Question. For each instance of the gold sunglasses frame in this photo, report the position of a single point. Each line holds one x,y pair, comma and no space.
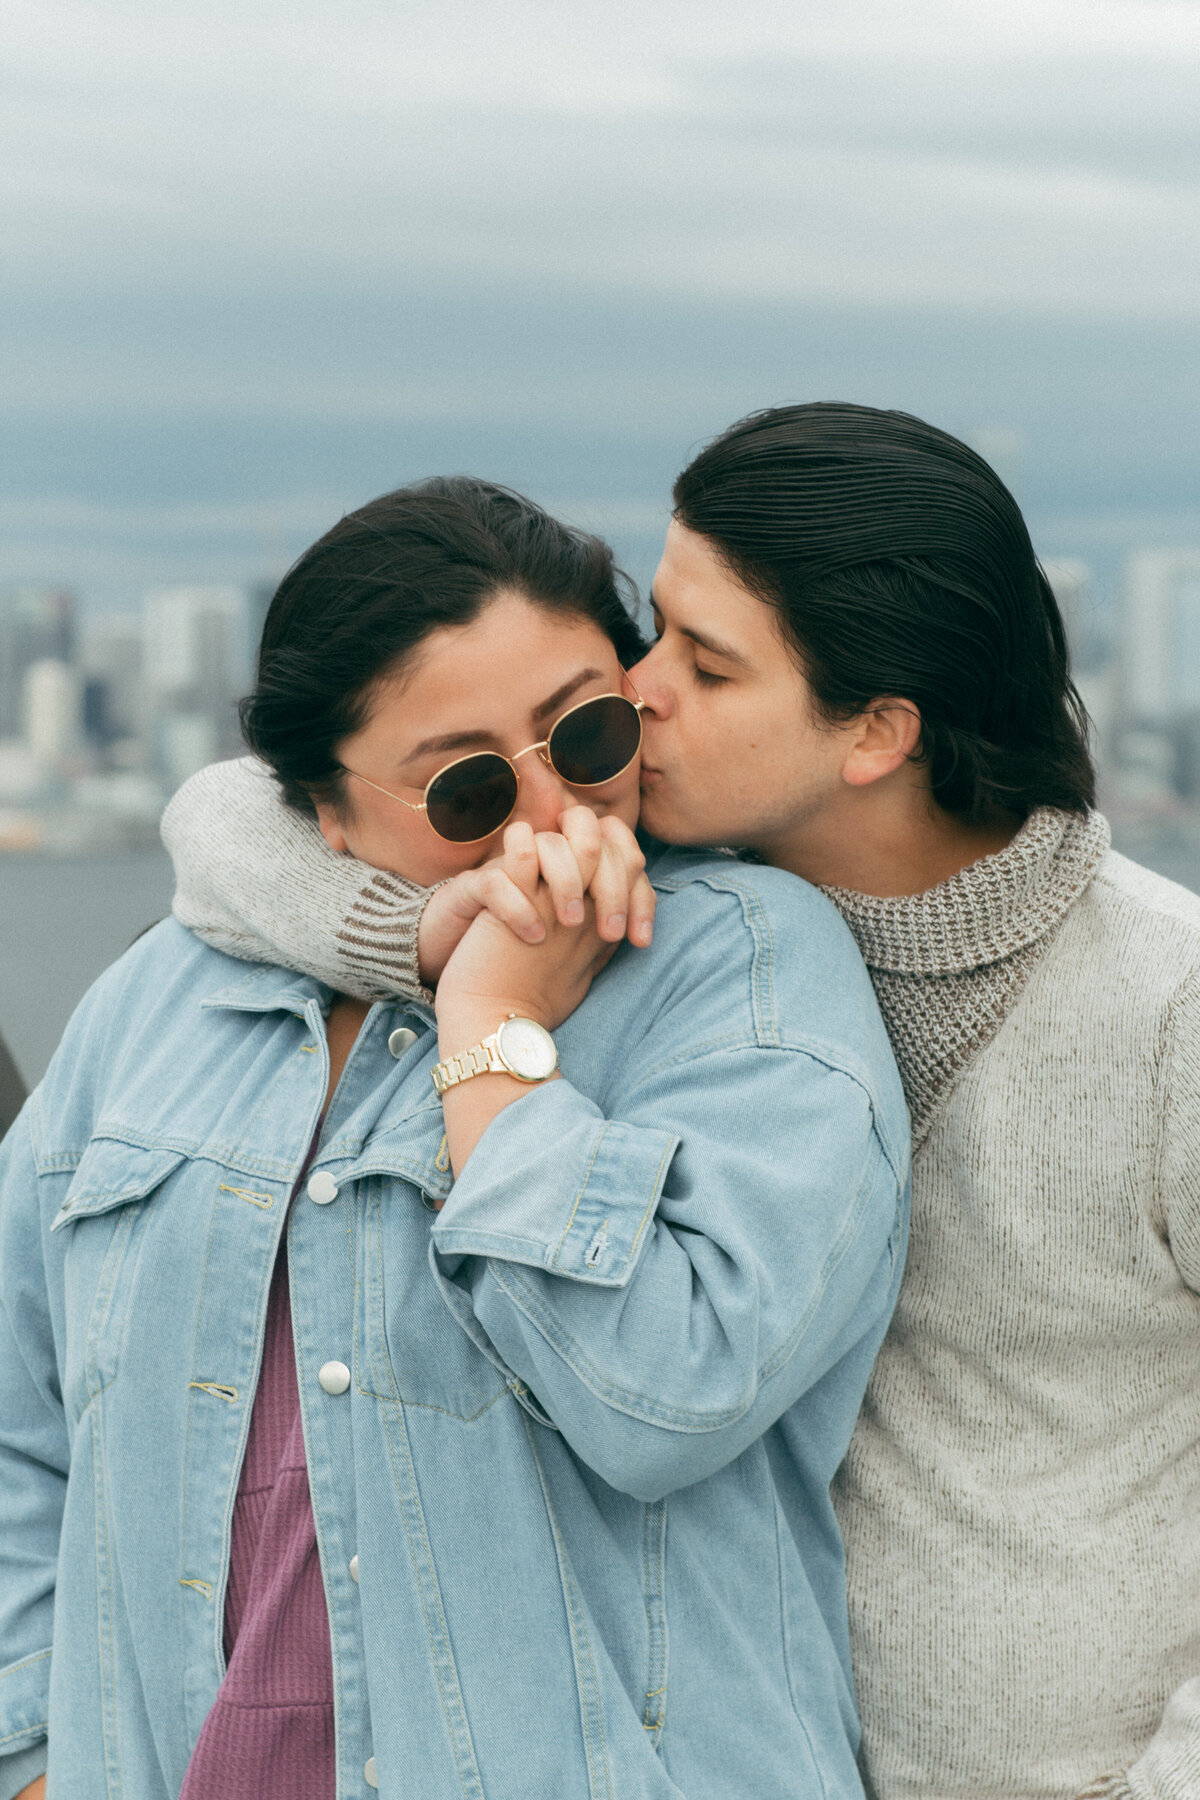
542,747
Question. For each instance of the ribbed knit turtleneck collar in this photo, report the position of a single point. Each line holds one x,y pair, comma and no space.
988,911
950,964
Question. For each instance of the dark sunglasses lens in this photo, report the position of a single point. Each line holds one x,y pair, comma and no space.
472,798
596,741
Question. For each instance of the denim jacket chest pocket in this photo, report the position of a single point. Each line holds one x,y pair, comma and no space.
410,1347
102,1224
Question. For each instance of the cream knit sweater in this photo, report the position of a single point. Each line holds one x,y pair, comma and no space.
1021,1502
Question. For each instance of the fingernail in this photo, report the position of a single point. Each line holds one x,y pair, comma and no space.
535,932
643,931
616,924
574,912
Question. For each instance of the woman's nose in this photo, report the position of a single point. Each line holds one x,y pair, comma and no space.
543,795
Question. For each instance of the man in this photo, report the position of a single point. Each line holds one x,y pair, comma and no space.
860,675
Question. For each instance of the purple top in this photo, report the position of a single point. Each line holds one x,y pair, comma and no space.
271,1726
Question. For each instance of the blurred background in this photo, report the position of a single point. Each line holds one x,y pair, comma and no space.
266,260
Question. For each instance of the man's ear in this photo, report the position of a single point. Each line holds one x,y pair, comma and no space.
887,735
331,827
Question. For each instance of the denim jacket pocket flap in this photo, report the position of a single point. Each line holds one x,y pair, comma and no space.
110,1174
415,1151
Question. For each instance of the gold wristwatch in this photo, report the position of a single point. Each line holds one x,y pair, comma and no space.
519,1047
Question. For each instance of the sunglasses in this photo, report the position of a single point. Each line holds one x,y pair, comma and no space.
474,796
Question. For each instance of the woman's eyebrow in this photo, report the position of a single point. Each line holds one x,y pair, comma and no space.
564,693
479,739
451,740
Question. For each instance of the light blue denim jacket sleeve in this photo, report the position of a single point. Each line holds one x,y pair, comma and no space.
668,1266
34,1458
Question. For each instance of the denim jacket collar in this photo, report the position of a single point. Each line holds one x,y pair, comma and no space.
266,990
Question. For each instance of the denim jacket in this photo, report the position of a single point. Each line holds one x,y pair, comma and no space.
593,1405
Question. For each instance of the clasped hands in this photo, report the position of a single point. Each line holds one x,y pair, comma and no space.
529,931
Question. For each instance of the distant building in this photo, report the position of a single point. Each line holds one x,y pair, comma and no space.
259,597
1157,680
36,624
197,666
1071,581
99,725
111,662
197,644
185,742
53,718
1161,635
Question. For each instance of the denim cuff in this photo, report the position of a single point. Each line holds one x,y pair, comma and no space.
24,1703
554,1184
22,1767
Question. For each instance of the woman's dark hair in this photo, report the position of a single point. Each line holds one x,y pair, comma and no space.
900,565
365,595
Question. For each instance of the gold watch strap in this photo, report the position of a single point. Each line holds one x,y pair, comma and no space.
481,1059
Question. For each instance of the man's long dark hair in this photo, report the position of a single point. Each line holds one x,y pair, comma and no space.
901,565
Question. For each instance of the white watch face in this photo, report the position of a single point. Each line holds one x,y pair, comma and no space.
527,1048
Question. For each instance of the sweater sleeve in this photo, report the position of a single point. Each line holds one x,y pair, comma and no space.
1169,1767
1179,1132
255,879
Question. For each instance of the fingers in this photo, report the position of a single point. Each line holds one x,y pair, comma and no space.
622,894
562,875
520,859
642,902
610,892
568,859
589,858
493,889
581,828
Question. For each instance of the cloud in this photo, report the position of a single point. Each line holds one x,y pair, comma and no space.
1132,117
1039,157
282,254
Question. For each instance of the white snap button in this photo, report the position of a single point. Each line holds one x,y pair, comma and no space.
322,1188
354,1568
401,1040
372,1778
334,1377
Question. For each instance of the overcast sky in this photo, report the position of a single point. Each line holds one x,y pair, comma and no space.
263,259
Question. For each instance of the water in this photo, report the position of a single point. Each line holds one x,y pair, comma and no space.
64,919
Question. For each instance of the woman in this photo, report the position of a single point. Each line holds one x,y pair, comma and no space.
527,1485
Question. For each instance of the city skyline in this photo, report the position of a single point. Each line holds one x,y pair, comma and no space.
103,714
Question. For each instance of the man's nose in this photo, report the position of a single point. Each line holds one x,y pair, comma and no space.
543,795
647,678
